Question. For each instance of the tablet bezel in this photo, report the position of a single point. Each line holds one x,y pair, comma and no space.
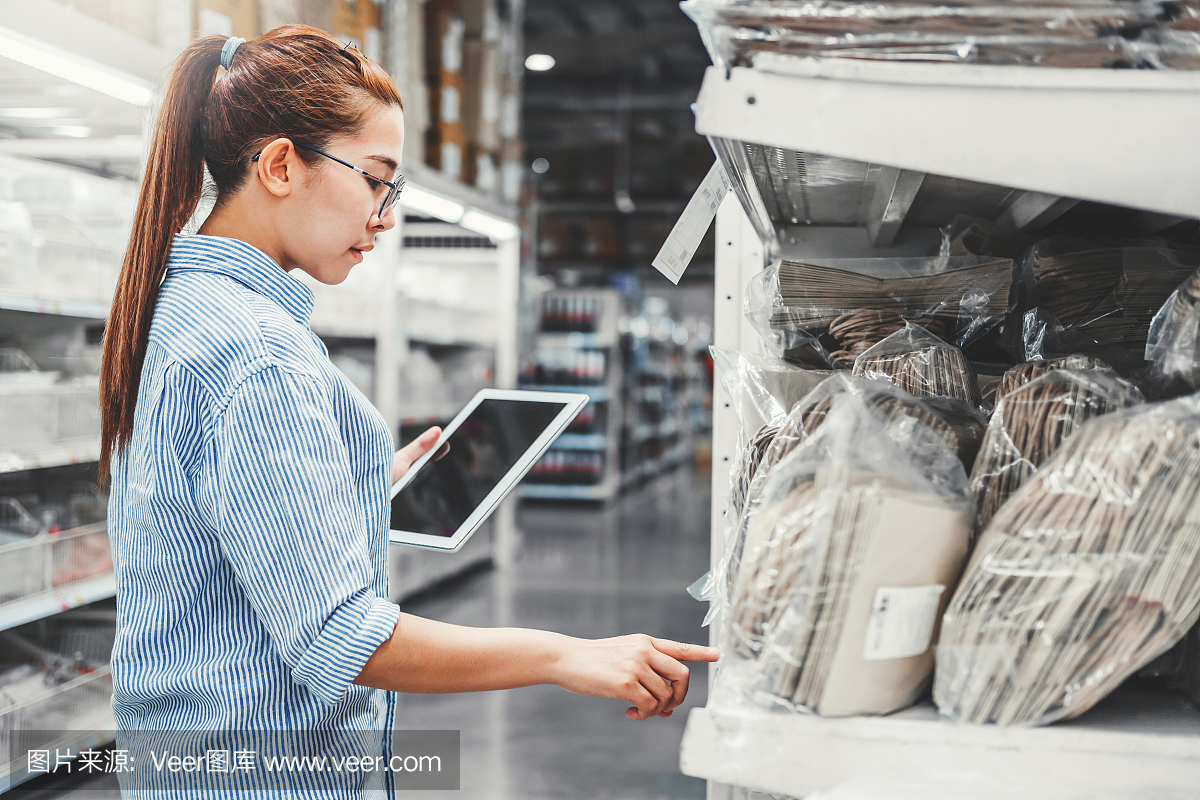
572,405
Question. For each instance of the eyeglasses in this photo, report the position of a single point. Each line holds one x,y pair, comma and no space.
393,193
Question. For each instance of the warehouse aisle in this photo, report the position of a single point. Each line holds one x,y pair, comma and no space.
589,571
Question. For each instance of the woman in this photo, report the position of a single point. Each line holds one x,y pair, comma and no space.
249,478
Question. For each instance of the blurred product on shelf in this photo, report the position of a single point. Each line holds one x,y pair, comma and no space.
566,367
52,537
569,314
646,375
1103,34
569,466
62,231
54,677
1089,571
1031,421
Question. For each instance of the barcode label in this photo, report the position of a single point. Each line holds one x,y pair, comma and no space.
676,253
902,621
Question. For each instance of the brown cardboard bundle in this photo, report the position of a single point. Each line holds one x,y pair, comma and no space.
921,364
1023,373
857,542
1031,421
1089,572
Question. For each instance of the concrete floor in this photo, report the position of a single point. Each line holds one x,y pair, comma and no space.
588,571
584,570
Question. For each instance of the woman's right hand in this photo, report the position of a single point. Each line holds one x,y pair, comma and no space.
638,669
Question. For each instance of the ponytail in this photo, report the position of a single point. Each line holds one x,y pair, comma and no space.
171,185
295,81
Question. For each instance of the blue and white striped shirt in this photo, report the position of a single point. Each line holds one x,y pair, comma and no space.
249,514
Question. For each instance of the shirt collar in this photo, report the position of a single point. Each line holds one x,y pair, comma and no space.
247,265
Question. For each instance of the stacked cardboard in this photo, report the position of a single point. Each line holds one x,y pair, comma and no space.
445,138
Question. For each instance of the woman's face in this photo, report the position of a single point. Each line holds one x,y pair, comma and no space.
334,216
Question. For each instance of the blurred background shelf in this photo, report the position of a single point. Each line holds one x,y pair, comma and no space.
61,598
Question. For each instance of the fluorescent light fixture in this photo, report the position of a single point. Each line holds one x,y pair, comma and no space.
41,112
539,62
71,131
426,202
63,64
488,225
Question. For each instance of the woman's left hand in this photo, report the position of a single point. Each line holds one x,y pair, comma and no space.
418,447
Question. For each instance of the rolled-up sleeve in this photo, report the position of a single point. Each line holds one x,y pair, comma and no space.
294,532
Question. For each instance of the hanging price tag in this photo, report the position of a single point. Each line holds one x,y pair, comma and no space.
677,251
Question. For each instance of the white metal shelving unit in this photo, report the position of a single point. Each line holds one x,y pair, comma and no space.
1042,140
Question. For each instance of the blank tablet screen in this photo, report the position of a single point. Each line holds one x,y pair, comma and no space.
438,500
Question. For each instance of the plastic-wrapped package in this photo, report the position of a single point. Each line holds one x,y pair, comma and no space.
960,425
1090,571
762,390
920,364
860,534
1022,374
1108,292
963,294
1093,34
1032,420
1173,345
854,303
743,473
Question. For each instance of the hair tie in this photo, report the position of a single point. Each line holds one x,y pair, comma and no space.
231,46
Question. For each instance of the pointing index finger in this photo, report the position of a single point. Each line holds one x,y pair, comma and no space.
685,652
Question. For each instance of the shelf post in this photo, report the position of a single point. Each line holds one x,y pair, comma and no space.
387,340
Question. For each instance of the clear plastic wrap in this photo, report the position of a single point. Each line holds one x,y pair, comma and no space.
860,535
1108,292
960,425
1060,33
1032,419
762,391
852,304
1173,344
921,364
1090,571
1022,374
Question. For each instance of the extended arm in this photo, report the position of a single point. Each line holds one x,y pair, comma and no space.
425,656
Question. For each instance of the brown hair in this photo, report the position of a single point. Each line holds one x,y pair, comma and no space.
295,82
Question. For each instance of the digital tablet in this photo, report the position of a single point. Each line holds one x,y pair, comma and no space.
494,442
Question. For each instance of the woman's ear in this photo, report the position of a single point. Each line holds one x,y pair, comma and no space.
278,167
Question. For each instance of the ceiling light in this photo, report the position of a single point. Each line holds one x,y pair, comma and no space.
60,63
425,202
71,131
41,112
488,225
539,62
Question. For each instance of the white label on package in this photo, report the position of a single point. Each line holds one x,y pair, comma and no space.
902,621
677,251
